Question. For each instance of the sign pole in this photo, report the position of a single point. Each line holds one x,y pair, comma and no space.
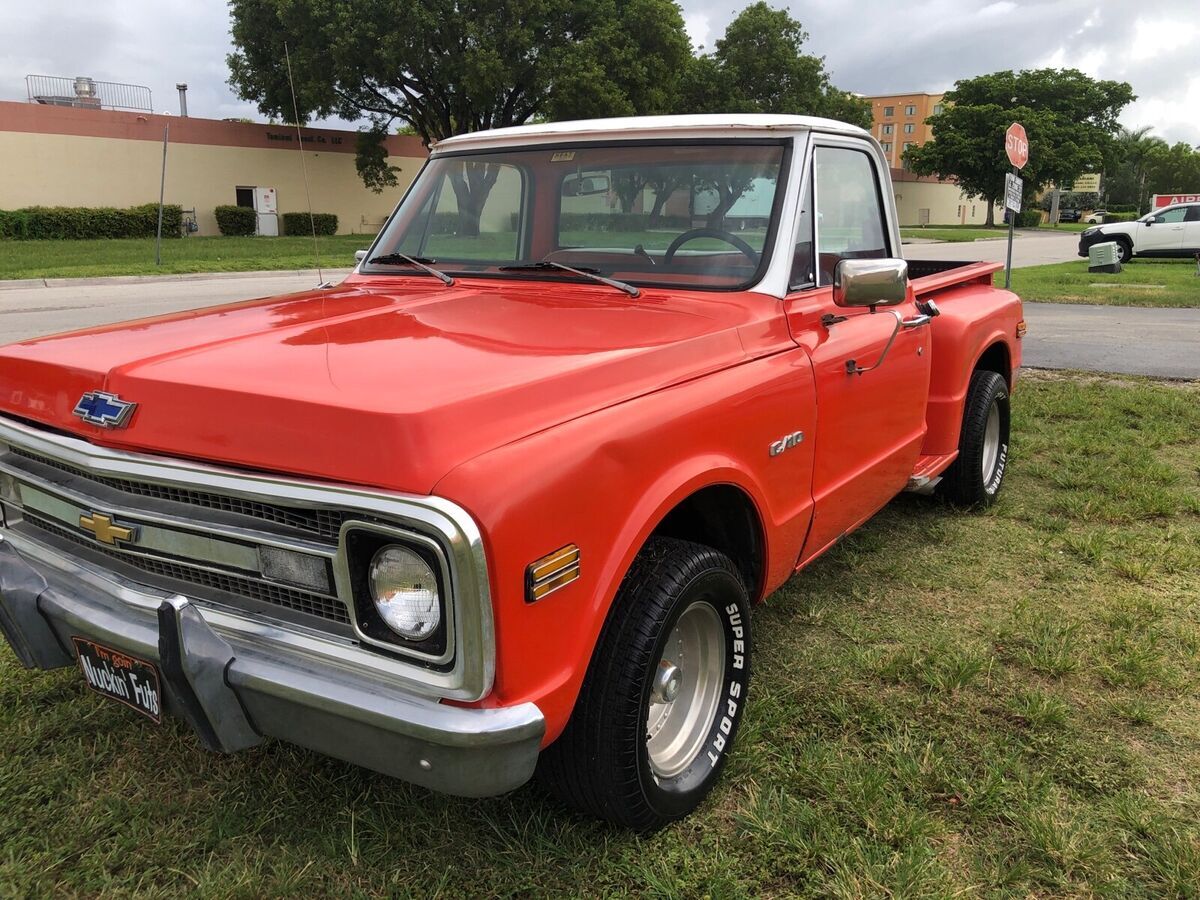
162,186
1012,222
1016,146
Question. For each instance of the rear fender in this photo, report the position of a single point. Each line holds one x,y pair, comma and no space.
973,319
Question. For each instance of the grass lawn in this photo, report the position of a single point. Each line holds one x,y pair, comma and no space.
1142,282
135,256
954,234
949,703
1067,226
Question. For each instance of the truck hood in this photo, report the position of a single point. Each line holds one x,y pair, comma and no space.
390,385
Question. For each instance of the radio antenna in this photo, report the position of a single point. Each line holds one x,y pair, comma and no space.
304,167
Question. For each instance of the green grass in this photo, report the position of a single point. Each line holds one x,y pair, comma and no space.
80,259
997,703
1142,282
1067,226
954,233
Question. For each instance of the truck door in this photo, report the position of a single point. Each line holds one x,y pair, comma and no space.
869,426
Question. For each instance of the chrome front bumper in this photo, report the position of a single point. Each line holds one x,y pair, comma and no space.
234,691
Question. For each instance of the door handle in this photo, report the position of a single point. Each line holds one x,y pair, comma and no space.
917,321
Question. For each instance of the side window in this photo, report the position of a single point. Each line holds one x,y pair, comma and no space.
849,208
1193,214
802,256
1172,216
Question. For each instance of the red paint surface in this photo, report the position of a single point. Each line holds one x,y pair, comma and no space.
554,413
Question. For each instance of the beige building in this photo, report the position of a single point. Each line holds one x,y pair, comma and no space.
921,200
67,156
898,122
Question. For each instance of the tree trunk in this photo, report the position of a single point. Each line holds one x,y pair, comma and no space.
472,185
991,212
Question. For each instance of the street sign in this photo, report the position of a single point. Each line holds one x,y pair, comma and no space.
1013,188
1016,144
1160,200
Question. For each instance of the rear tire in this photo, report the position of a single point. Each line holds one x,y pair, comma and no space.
977,474
664,693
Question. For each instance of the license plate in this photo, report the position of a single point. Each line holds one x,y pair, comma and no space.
121,677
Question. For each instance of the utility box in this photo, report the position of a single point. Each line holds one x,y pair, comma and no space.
1103,258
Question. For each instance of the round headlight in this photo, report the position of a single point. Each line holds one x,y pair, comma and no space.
405,591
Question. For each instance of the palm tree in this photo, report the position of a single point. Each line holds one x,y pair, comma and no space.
1135,148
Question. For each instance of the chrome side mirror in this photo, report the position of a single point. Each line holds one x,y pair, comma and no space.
870,282
359,256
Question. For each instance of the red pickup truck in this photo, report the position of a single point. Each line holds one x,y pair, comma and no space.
505,498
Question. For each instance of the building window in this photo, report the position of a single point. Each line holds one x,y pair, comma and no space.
889,111
909,128
939,108
910,110
908,144
887,146
887,129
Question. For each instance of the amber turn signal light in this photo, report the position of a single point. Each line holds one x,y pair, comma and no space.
546,575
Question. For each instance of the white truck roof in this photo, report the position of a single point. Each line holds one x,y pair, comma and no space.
732,125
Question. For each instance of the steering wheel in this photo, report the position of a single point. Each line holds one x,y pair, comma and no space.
746,250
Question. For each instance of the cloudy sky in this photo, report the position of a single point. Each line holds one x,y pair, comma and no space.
870,46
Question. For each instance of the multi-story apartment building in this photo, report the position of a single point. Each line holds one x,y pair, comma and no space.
898,122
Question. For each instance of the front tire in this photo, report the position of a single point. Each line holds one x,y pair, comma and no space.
664,694
1124,250
977,474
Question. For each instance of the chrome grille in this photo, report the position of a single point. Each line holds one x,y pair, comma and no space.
322,523
277,595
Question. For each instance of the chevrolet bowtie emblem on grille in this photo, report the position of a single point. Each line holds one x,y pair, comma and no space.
104,409
105,530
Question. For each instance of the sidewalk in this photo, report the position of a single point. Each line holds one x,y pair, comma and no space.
330,274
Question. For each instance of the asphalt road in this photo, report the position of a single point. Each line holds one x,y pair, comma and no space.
1032,247
1159,342
1164,343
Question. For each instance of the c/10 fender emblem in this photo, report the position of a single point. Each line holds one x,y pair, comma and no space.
786,443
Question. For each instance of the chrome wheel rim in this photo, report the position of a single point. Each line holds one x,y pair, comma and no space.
685,690
991,442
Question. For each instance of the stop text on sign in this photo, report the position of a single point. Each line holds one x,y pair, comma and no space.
1016,145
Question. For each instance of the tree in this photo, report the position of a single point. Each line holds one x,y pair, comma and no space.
1136,150
760,66
445,67
1070,120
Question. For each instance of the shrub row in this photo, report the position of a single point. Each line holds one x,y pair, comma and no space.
1029,218
1111,216
298,223
80,222
236,221
619,222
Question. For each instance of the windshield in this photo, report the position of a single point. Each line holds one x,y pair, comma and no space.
694,214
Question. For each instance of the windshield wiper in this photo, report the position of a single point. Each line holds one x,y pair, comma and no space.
590,274
401,259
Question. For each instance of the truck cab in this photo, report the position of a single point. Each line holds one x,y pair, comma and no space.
506,497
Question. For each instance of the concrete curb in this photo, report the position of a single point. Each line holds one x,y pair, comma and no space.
17,283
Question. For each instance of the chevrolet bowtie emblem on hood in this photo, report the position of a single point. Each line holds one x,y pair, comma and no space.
104,409
105,529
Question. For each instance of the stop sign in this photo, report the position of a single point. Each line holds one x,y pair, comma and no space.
1016,144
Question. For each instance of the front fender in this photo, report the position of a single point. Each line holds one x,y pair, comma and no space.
604,482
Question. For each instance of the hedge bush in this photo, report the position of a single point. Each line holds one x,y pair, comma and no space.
1111,216
236,220
81,222
1029,218
298,223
